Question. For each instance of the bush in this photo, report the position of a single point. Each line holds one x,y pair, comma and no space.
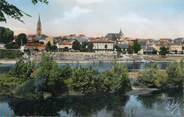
8,83
153,77
176,75
22,69
88,81
10,54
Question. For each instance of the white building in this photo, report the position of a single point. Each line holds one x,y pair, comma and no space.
103,46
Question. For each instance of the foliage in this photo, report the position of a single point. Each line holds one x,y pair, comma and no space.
175,73
76,45
12,45
50,48
88,81
21,39
163,51
22,69
8,83
117,79
10,54
136,47
28,90
86,47
130,50
153,77
49,70
6,35
7,9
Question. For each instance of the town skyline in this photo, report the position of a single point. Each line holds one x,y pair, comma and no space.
97,18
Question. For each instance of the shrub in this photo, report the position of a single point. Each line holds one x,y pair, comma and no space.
175,73
153,77
10,54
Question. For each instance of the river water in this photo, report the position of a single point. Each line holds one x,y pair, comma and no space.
155,104
100,66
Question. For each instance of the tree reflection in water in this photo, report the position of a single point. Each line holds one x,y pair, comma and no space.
73,105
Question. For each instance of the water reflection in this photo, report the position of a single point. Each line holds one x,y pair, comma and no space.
157,104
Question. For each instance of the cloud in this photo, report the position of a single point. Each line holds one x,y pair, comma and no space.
134,18
76,12
86,2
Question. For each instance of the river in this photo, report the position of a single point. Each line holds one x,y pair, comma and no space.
100,66
155,104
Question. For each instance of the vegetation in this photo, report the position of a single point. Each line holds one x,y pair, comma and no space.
86,47
153,77
172,77
10,54
45,77
12,45
136,47
176,74
21,39
12,11
50,48
6,35
76,45
164,51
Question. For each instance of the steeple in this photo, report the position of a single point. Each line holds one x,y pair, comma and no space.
120,32
39,27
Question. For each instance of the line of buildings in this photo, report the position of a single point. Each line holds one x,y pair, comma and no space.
104,44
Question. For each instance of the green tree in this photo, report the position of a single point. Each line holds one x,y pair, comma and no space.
84,47
153,77
136,47
163,51
6,35
21,39
76,45
12,45
90,47
175,73
49,71
22,69
48,46
7,9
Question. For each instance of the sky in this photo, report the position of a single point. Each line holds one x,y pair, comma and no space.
137,18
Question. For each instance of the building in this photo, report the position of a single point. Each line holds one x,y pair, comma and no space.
102,45
115,36
34,45
64,45
39,27
176,48
36,41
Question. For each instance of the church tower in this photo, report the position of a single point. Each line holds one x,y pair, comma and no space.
39,27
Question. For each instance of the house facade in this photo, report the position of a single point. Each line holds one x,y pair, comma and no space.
103,46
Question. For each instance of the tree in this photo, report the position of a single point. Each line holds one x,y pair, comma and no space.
76,45
12,45
136,46
90,47
163,51
153,77
21,39
86,47
175,73
6,35
7,9
49,71
48,46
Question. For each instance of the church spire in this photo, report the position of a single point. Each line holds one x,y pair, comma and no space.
39,27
